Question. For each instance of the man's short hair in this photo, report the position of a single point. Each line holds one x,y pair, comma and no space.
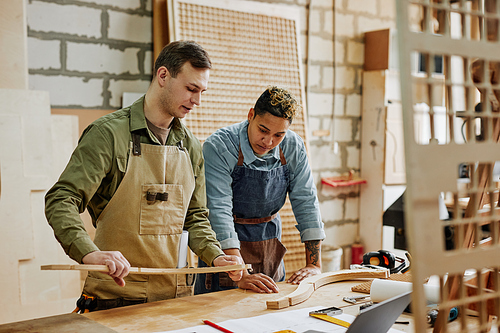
277,101
176,54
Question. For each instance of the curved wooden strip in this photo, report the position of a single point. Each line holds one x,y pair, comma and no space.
307,287
152,271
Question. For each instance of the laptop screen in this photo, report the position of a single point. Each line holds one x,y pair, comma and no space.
380,317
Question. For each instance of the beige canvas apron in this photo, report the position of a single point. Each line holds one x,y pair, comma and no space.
144,221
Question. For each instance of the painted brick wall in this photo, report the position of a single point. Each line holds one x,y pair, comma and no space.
86,53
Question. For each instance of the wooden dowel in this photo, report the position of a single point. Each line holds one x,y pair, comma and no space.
141,270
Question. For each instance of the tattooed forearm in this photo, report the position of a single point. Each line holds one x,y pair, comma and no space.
313,252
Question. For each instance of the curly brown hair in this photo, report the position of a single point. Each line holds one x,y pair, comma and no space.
277,101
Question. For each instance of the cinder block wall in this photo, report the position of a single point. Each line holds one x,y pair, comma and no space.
86,53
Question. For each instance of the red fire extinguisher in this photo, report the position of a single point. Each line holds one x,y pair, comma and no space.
357,253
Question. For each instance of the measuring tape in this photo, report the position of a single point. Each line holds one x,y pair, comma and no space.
330,319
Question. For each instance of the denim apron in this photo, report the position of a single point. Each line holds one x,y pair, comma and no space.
258,195
144,221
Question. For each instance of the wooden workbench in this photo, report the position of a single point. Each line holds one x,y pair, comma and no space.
189,311
217,307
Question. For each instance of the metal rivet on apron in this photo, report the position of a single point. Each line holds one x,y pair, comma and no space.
151,197
162,196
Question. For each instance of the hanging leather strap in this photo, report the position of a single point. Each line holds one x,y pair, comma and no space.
254,221
136,144
241,158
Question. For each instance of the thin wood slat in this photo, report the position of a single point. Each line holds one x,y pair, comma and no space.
150,271
307,287
366,286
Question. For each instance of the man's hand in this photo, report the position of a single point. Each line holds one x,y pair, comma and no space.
230,260
117,264
259,283
303,273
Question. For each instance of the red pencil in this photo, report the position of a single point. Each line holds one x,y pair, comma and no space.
222,329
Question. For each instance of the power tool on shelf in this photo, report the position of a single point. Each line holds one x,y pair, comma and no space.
386,259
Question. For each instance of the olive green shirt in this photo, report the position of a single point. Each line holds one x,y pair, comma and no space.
97,168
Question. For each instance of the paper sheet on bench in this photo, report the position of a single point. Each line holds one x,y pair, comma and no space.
295,320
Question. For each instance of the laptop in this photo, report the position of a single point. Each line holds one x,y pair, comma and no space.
380,317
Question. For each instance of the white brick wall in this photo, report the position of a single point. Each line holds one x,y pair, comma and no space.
344,25
351,208
148,63
65,19
117,87
314,76
339,53
353,156
327,125
313,124
44,54
369,24
99,58
343,129
342,234
363,6
355,53
327,78
89,43
315,21
320,49
322,3
328,22
353,105
388,9
332,210
322,157
123,4
339,104
67,91
344,77
128,27
319,104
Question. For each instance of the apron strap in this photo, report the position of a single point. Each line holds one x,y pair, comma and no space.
136,144
254,221
282,157
240,157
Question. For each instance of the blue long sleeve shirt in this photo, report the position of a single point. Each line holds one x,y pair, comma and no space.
220,151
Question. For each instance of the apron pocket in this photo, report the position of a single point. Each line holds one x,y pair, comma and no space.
265,256
162,209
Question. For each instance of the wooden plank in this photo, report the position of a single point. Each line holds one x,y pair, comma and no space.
307,287
151,271
66,323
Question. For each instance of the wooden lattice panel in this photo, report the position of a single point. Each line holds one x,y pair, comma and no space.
252,46
450,62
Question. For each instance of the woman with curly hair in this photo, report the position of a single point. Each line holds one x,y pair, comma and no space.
250,168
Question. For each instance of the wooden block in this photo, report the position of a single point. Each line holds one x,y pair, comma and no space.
307,287
380,50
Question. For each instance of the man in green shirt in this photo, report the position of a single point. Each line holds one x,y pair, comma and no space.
140,173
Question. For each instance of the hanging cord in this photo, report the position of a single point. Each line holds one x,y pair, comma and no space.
334,144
